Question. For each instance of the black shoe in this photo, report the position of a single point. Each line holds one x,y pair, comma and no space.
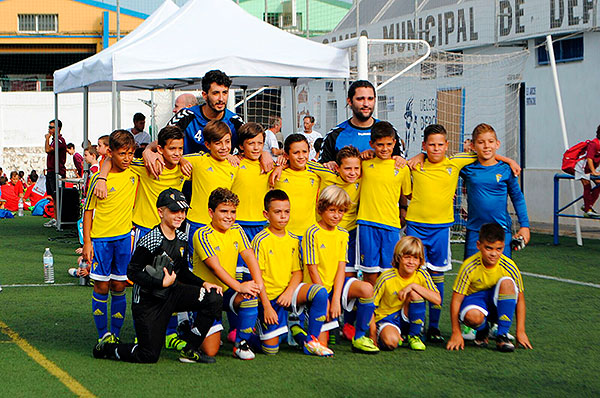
193,356
481,337
184,328
503,344
434,335
104,348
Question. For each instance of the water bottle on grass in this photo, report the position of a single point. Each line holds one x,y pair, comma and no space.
48,266
20,207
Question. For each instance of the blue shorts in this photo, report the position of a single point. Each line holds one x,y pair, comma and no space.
191,229
436,240
484,301
352,264
471,238
397,320
242,273
111,258
267,332
376,247
138,233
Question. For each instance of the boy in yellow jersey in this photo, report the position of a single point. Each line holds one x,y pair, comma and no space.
209,171
383,183
217,246
430,214
325,251
278,254
107,236
301,185
488,288
400,294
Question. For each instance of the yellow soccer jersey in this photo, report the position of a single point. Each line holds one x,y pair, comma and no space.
302,187
278,257
209,242
144,211
434,186
251,186
353,189
112,216
208,174
474,277
325,249
390,283
382,184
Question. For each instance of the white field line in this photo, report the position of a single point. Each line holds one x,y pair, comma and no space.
40,285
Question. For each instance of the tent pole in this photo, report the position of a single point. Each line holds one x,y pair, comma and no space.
245,104
119,125
86,91
293,84
152,116
57,207
114,105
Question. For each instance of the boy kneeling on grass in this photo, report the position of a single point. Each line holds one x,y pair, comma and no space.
488,288
163,284
400,294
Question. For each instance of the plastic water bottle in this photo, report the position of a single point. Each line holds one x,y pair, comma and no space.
20,207
82,267
48,266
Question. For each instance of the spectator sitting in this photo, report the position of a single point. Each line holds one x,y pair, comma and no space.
77,159
16,183
9,195
34,193
22,176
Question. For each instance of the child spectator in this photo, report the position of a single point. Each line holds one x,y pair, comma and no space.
325,249
77,159
379,215
32,193
488,288
10,198
400,295
278,254
107,236
584,169
90,155
102,149
217,246
16,184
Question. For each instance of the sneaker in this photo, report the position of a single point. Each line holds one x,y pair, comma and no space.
468,333
415,343
348,331
72,272
297,333
314,347
333,333
503,344
364,345
591,213
101,349
481,337
173,342
434,335
232,335
494,332
114,339
193,356
242,350
50,224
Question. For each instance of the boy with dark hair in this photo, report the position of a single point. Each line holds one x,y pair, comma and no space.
141,137
216,249
107,236
163,283
77,159
278,254
379,214
488,288
102,149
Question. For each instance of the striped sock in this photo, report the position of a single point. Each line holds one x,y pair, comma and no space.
247,315
416,316
99,309
118,306
435,311
506,309
364,313
317,297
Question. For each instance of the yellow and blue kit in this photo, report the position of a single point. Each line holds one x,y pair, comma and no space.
302,188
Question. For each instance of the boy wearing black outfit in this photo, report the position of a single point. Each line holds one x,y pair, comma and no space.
163,284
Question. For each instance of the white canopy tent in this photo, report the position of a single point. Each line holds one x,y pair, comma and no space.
176,49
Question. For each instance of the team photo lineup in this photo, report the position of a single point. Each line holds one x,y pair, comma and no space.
291,244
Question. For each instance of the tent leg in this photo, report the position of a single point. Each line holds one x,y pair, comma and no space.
114,106
86,122
58,194
293,84
152,116
245,104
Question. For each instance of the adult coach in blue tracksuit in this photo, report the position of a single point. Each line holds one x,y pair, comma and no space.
355,131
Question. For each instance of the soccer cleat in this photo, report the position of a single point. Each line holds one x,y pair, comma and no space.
101,348
113,339
364,345
333,333
591,213
314,347
494,332
481,337
232,335
468,333
243,351
348,331
503,344
434,335
415,343
50,224
193,356
173,342
297,333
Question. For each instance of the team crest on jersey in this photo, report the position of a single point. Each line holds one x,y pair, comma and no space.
312,182
181,251
498,177
356,185
132,179
181,179
231,175
449,170
235,244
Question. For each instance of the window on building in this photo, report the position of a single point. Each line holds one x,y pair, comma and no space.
330,114
38,23
454,64
565,50
329,86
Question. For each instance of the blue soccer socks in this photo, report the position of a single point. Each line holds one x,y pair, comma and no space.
416,317
317,312
118,306
435,311
364,313
247,314
99,309
506,309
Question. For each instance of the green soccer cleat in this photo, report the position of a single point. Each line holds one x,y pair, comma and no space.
364,345
173,342
468,334
415,343
193,356
298,333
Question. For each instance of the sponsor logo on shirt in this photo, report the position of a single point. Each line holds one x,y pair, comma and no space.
498,177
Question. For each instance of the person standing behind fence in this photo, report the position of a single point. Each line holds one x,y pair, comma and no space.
186,100
584,169
311,135
50,148
271,141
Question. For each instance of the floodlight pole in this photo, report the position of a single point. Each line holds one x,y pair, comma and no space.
563,125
